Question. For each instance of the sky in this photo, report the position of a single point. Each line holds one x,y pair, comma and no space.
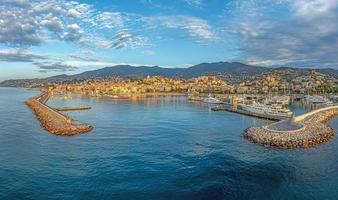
41,38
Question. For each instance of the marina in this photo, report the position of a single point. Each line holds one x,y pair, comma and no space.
264,115
272,108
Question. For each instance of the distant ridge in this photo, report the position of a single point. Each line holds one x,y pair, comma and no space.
219,68
231,71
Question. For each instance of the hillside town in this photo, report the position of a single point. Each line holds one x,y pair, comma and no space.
120,87
286,81
277,82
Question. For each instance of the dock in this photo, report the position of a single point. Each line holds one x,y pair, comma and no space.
229,108
303,131
54,121
73,108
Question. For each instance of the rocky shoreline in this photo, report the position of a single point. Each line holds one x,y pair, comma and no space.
313,131
55,122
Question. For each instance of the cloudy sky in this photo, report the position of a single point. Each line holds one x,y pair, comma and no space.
44,38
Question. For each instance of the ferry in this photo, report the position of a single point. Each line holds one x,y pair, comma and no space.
212,100
265,111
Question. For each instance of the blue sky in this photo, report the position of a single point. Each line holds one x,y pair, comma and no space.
44,38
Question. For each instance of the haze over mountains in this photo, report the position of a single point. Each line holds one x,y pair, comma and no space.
231,72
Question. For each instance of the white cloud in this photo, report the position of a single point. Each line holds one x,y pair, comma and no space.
148,52
19,27
88,56
198,27
307,33
54,66
195,27
195,3
109,20
20,55
31,23
74,33
314,8
53,23
15,2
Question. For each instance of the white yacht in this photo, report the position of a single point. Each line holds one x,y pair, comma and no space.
313,99
283,100
265,111
334,97
212,100
318,100
328,103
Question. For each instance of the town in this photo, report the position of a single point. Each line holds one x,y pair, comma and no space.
279,82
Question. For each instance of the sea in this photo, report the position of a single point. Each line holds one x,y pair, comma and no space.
154,148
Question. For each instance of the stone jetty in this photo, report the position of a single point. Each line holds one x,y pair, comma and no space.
301,132
54,121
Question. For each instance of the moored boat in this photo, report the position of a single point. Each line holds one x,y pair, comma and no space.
212,100
318,100
265,111
314,99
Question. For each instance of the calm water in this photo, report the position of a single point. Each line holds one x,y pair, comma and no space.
154,149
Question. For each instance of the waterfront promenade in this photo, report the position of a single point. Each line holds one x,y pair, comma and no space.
303,131
54,121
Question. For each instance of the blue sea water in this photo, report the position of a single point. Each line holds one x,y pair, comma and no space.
158,148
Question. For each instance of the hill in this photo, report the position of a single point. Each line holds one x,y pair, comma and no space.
232,72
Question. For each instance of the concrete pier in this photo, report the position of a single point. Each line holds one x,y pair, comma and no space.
303,131
73,108
230,108
53,121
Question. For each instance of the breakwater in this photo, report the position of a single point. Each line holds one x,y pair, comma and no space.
303,131
54,121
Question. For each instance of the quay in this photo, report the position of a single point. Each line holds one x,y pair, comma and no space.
73,108
303,131
52,120
234,109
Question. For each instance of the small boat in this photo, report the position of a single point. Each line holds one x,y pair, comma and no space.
212,100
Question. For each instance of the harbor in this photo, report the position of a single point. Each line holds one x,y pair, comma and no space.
263,106
54,121
153,137
290,131
263,115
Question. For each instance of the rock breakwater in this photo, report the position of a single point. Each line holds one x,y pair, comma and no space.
312,131
55,122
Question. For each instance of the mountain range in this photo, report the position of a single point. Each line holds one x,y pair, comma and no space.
230,71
